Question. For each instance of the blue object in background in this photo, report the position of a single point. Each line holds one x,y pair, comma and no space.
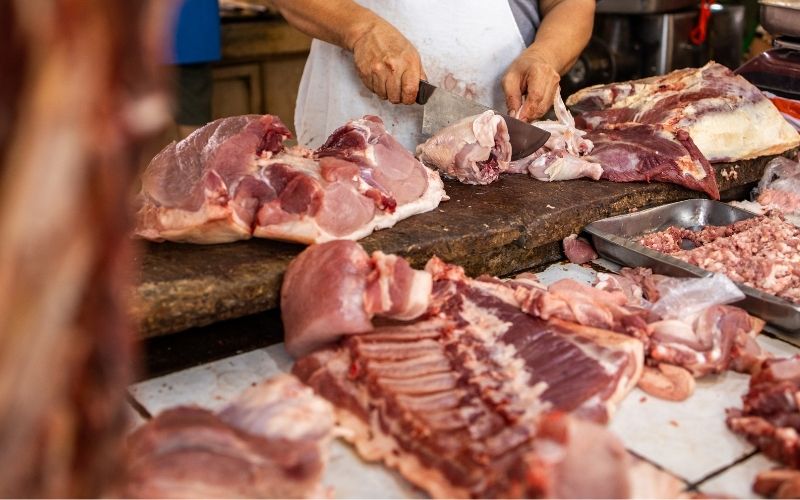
197,30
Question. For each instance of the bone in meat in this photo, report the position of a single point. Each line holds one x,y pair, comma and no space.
234,179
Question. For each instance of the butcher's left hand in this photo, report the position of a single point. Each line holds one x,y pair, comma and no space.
532,75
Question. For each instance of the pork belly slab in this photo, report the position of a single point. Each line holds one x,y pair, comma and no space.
725,115
460,417
472,398
270,443
234,179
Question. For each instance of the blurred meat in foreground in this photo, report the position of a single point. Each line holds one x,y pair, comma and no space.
79,93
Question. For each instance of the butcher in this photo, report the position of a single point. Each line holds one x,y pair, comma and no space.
368,56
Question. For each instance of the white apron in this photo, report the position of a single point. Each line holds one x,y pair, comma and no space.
465,45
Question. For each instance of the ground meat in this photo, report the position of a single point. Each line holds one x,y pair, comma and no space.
761,252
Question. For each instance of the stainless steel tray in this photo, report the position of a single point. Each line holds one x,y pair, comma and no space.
781,17
615,238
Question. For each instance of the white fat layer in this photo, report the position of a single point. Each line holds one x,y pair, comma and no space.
419,296
385,264
748,131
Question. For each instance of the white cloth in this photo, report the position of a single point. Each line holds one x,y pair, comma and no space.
465,45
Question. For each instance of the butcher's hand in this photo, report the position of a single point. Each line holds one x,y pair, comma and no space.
387,63
530,84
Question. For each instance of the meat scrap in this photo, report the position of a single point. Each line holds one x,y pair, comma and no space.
234,178
770,419
690,331
476,150
563,157
578,250
778,483
761,252
726,116
270,443
779,188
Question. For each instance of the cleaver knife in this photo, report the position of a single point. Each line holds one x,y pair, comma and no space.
442,108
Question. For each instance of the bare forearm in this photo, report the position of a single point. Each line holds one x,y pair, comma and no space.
564,32
340,22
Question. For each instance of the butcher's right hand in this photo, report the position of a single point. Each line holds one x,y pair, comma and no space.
387,63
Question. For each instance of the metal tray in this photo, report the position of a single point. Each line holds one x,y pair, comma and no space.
781,17
615,239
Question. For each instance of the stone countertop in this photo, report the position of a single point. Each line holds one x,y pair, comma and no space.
511,225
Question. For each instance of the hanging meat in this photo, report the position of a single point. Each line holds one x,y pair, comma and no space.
79,94
234,178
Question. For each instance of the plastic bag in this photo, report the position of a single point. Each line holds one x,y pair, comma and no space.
682,297
779,188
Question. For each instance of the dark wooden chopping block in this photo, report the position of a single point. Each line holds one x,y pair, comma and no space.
511,225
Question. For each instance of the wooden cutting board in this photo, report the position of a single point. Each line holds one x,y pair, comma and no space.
511,225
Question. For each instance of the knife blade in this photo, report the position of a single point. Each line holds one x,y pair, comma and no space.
442,109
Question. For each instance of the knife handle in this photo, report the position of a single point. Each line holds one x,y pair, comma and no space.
425,92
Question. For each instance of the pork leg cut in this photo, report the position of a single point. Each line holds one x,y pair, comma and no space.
234,179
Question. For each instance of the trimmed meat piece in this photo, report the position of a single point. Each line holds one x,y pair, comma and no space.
578,250
336,288
476,150
562,157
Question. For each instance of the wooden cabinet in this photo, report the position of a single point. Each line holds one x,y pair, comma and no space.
262,62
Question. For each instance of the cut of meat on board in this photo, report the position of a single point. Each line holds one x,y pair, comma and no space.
336,288
233,179
726,116
270,443
562,157
632,152
770,416
476,150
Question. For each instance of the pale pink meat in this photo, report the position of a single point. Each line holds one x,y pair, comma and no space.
234,179
336,288
475,150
